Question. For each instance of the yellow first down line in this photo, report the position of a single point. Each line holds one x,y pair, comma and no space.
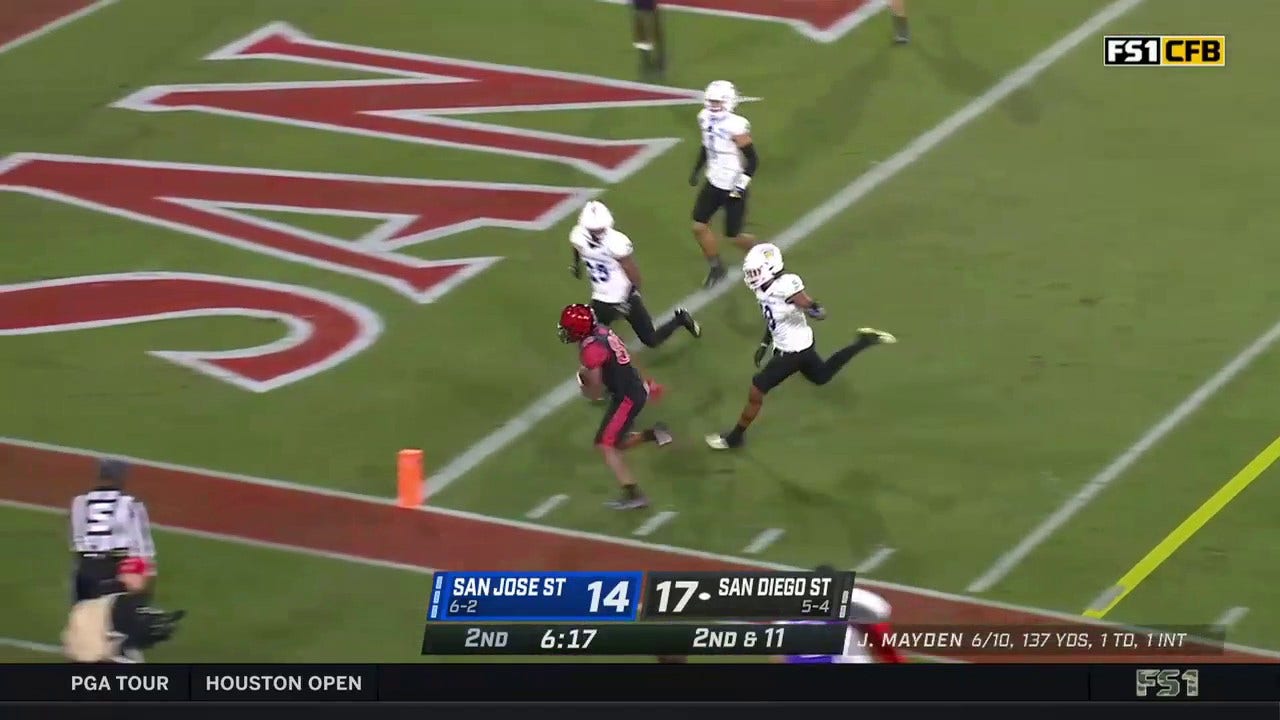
1183,532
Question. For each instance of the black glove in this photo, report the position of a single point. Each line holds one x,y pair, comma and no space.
693,179
761,352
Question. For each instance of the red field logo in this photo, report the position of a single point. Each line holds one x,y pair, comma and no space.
424,102
820,20
208,200
323,329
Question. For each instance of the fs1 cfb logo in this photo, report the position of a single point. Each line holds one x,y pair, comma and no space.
1165,50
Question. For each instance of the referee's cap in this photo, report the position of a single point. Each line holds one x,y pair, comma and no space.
112,470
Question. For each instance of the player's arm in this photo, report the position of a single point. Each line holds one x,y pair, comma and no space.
575,265
629,266
810,306
763,347
697,165
593,359
752,161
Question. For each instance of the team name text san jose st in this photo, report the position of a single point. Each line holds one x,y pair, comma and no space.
508,587
774,586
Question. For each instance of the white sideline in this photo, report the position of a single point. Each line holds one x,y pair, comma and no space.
53,25
803,228
548,529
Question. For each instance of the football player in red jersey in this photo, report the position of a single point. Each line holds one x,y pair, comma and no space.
607,368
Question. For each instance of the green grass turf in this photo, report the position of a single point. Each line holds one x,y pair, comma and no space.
1061,274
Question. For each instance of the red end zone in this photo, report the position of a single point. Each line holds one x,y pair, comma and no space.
284,514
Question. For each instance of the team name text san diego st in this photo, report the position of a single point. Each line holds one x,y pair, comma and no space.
774,586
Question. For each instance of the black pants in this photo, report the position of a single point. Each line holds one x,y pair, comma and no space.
639,319
807,362
94,576
711,199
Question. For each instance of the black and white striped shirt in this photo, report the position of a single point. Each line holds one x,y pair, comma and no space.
107,521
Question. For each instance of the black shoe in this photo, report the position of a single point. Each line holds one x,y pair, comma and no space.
636,503
715,275
686,319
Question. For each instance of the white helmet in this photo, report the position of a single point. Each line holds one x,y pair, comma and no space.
595,217
762,264
720,96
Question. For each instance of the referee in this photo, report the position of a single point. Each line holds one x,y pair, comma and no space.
109,531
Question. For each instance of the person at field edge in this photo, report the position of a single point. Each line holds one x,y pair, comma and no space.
865,638
108,526
116,627
647,37
901,30
606,367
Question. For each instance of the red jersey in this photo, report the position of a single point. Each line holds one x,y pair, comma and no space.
603,349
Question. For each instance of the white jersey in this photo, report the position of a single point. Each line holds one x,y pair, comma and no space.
609,282
724,158
787,323
109,521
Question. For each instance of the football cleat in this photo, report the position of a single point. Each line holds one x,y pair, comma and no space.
879,336
716,441
638,503
662,434
686,319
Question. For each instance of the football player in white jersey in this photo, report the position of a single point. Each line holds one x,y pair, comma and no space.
615,277
729,156
787,309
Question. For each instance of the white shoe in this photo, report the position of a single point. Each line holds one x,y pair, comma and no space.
881,336
716,441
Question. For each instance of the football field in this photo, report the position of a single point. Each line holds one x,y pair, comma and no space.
259,246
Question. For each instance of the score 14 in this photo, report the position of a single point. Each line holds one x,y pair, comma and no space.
616,599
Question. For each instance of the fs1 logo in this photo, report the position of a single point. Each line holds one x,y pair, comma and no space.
1169,683
1165,50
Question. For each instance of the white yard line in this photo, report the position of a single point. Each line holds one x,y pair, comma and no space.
1231,617
32,646
763,540
652,524
802,229
874,560
545,507
1152,437
53,25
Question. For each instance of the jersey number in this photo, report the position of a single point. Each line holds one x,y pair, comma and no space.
768,316
619,350
709,138
99,517
599,272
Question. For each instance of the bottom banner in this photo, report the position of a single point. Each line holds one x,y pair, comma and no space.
610,682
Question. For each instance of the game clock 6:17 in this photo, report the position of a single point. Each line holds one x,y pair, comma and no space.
568,638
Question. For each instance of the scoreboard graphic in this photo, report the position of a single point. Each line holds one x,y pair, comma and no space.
637,613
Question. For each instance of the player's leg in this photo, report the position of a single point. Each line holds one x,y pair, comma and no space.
606,313
643,25
611,438
777,370
642,322
710,199
659,42
735,217
819,371
901,30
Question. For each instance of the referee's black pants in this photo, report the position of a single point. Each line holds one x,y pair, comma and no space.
94,576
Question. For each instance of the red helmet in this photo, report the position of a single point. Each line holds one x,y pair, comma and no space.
576,322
